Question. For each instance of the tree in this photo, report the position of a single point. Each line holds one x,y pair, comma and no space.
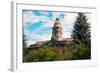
25,50
81,32
24,41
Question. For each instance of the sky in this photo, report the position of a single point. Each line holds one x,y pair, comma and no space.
38,24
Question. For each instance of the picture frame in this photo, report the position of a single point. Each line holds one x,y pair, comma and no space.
16,48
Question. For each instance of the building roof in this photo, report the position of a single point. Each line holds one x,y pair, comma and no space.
39,44
67,39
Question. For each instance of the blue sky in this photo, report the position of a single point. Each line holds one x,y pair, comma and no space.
38,24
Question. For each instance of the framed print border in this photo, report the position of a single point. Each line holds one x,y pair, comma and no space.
16,47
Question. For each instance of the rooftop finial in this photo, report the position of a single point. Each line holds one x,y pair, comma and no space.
57,18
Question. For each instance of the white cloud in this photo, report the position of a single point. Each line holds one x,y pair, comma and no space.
66,35
49,23
68,21
29,17
69,18
37,38
56,14
33,37
88,17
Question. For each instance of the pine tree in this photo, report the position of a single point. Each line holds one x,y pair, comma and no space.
81,32
25,50
24,41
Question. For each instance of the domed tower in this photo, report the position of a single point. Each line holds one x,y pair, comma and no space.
57,30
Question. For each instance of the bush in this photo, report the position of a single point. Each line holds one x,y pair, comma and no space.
32,54
45,53
48,53
80,51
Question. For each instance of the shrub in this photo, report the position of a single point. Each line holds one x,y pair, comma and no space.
32,54
80,51
48,53
45,53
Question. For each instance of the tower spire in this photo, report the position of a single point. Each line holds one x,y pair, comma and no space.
57,30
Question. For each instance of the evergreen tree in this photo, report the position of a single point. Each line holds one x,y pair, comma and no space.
24,41
81,32
25,50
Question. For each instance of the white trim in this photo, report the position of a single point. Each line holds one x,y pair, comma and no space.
13,37
58,3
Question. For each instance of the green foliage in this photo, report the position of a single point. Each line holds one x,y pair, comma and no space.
81,32
80,51
43,54
48,53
